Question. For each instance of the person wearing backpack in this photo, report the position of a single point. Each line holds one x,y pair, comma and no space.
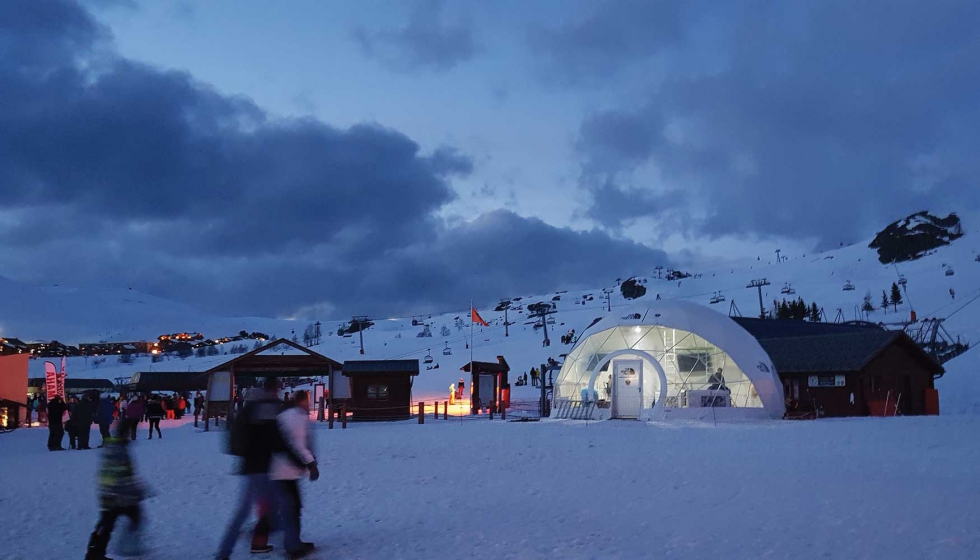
254,437
121,493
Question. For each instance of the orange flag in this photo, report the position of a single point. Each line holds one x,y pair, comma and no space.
476,317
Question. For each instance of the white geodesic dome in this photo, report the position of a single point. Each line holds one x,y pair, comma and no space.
676,359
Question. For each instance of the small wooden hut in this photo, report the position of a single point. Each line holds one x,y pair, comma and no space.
487,381
381,389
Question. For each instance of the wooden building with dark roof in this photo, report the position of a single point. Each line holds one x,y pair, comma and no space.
278,358
487,382
381,389
168,381
73,385
837,370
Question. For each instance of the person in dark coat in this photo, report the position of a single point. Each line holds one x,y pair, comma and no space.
84,415
56,429
71,426
154,411
104,416
254,437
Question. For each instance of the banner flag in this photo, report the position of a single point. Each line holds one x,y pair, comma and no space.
50,379
475,317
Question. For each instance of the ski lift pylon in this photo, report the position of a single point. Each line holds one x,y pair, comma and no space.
848,287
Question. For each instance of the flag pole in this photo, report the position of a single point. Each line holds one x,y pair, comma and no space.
472,342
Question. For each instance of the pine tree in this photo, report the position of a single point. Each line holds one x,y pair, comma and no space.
814,313
884,301
896,296
867,306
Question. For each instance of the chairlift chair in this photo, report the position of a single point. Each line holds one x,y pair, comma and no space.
787,289
848,287
721,297
428,357
447,351
714,298
901,280
551,320
949,272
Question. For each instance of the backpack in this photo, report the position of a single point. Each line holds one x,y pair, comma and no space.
238,434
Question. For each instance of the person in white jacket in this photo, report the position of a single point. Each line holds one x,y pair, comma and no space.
295,461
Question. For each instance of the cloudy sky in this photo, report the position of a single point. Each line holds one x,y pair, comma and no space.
320,158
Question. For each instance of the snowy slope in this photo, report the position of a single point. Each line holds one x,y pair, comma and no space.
815,277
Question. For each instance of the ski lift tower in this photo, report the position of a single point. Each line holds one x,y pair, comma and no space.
779,259
759,284
360,321
542,310
608,292
505,303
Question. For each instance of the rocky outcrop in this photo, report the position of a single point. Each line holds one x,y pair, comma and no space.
915,236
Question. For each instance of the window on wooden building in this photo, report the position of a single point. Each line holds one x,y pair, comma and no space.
377,392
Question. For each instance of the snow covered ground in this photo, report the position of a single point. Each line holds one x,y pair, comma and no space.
900,488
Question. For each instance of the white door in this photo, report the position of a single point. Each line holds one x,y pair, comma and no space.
627,388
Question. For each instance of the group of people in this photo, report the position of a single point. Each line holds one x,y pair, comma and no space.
84,411
274,441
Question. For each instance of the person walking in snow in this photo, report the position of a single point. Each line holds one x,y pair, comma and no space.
154,411
120,492
84,415
104,416
134,413
452,393
254,436
296,461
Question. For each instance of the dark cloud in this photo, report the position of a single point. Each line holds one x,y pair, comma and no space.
824,119
425,42
612,35
118,173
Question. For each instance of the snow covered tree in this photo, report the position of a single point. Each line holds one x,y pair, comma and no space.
445,332
884,301
867,306
201,352
896,296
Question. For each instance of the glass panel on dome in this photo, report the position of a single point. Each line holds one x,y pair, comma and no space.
633,335
614,342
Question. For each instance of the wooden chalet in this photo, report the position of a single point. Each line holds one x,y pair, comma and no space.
381,389
834,370
279,358
487,383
